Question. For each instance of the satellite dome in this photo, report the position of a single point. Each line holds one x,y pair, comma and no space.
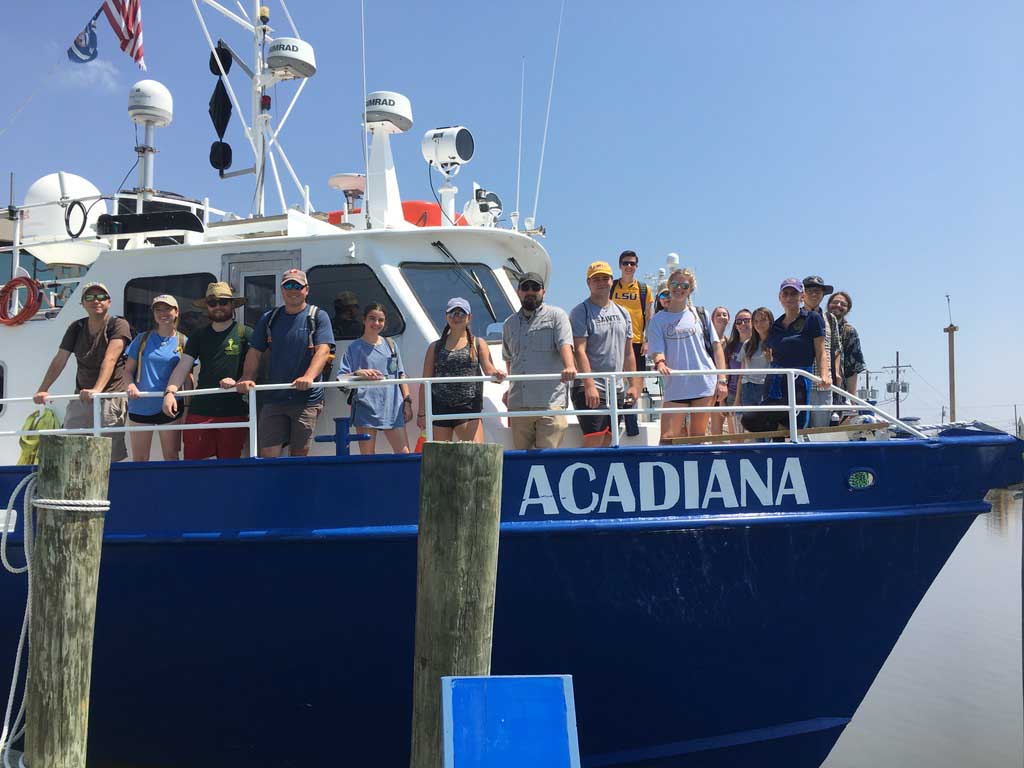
150,102
389,111
46,223
290,57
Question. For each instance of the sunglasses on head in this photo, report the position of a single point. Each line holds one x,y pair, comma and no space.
676,284
629,263
664,295
529,286
293,285
96,297
217,302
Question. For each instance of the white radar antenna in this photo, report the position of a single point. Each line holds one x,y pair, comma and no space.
274,59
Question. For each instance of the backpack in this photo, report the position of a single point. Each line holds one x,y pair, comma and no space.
643,303
142,351
81,322
702,315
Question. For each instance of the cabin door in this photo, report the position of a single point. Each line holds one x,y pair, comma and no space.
257,276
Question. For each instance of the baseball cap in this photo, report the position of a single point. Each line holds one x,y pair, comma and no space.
791,282
95,284
599,268
458,303
164,298
294,274
527,277
816,281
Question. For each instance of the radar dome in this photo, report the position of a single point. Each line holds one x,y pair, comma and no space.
150,102
46,223
388,111
290,57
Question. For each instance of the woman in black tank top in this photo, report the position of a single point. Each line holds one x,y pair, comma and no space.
457,353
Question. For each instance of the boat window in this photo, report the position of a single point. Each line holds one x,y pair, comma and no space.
140,292
434,284
343,291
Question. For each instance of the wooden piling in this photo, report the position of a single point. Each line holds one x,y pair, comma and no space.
457,568
65,573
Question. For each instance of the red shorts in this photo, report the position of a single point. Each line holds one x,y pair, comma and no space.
219,443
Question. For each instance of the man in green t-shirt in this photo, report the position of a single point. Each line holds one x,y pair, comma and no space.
220,349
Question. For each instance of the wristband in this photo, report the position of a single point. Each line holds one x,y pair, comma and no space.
169,391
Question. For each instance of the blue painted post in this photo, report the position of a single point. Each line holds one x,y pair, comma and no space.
341,437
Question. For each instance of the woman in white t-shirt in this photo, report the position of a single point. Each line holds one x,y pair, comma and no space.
676,341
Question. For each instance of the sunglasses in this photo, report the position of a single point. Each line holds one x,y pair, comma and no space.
684,284
664,295
96,297
529,286
292,285
217,302
628,264
743,321
456,312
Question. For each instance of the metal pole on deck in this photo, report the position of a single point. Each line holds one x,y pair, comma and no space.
456,575
950,329
66,566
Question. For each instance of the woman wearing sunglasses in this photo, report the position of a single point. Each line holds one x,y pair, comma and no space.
676,342
661,300
457,353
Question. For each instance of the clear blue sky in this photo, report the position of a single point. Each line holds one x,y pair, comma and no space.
875,143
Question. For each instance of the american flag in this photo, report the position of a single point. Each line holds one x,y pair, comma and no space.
125,16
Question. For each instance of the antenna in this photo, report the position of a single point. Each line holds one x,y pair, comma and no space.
519,156
949,309
366,147
547,118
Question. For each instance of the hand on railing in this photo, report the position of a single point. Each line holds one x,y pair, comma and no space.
568,373
826,381
133,391
85,395
369,373
245,386
40,397
303,383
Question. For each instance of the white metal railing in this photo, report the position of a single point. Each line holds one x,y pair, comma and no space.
613,410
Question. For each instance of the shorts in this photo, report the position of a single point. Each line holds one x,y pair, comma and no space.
594,425
691,401
475,406
155,419
529,432
291,423
217,443
113,413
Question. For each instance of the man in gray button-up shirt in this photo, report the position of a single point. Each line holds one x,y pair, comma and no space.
537,339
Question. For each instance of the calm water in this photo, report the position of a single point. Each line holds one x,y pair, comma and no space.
950,692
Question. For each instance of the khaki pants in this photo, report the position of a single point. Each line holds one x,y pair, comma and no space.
113,413
530,432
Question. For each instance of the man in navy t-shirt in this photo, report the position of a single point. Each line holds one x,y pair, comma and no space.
298,343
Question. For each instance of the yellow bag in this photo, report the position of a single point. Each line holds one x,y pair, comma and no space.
41,419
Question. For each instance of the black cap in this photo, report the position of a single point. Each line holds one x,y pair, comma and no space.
526,277
817,281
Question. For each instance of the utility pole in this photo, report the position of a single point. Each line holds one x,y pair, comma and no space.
898,387
951,329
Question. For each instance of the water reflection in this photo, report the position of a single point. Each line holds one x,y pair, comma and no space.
950,694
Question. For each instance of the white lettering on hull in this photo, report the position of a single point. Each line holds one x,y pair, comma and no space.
581,491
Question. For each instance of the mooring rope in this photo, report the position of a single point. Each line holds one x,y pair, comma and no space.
14,731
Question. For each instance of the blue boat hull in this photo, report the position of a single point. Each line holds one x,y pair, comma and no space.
262,613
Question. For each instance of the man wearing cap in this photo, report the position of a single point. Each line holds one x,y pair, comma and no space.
98,342
220,349
347,324
815,289
634,297
602,334
537,339
299,340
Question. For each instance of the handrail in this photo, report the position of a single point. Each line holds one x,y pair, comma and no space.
613,410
